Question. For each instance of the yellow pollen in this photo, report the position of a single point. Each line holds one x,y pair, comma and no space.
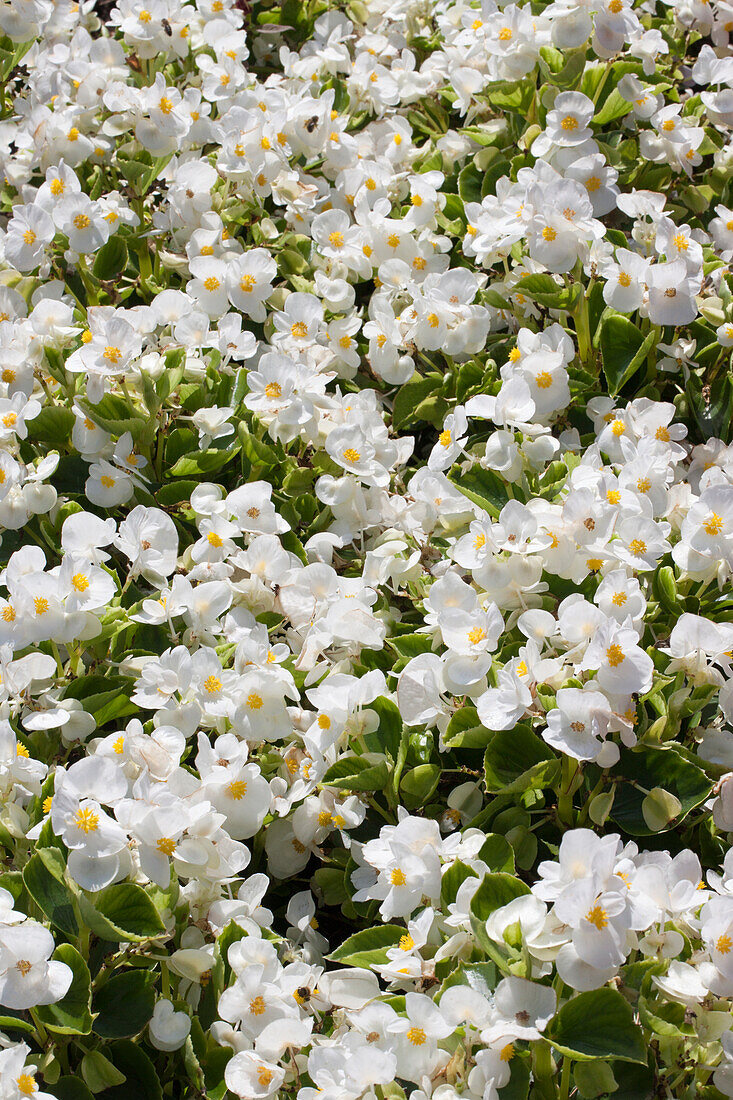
80,582
643,485
237,789
212,684
264,1076
506,34
257,1006
144,16
597,916
107,481
86,820
57,187
47,803
668,126
476,635
613,496
544,380
592,184
618,427
26,1084
507,1052
723,944
24,966
165,105
212,283
9,613
680,242
166,845
73,134
548,233
445,438
713,525
41,605
351,455
214,540
637,547
624,278
569,123
10,420
21,750
406,943
247,283
119,745
345,342
397,878
515,355
479,542
416,1036
615,655
254,701
324,819
619,599
112,354
393,240
522,669
416,200
299,330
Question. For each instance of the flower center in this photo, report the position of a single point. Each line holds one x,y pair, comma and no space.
597,916
86,820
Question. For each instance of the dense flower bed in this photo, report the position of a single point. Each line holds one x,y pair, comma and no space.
366,496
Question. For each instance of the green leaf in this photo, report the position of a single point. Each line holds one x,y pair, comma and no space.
496,890
598,1024
69,1088
386,738
544,290
44,880
497,853
122,912
614,106
124,1004
418,784
516,760
357,773
204,462
111,260
623,350
71,1015
453,879
469,183
594,1079
465,731
479,976
141,1080
672,769
15,1023
368,947
114,415
53,425
99,1073
409,397
411,645
518,1086
483,487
